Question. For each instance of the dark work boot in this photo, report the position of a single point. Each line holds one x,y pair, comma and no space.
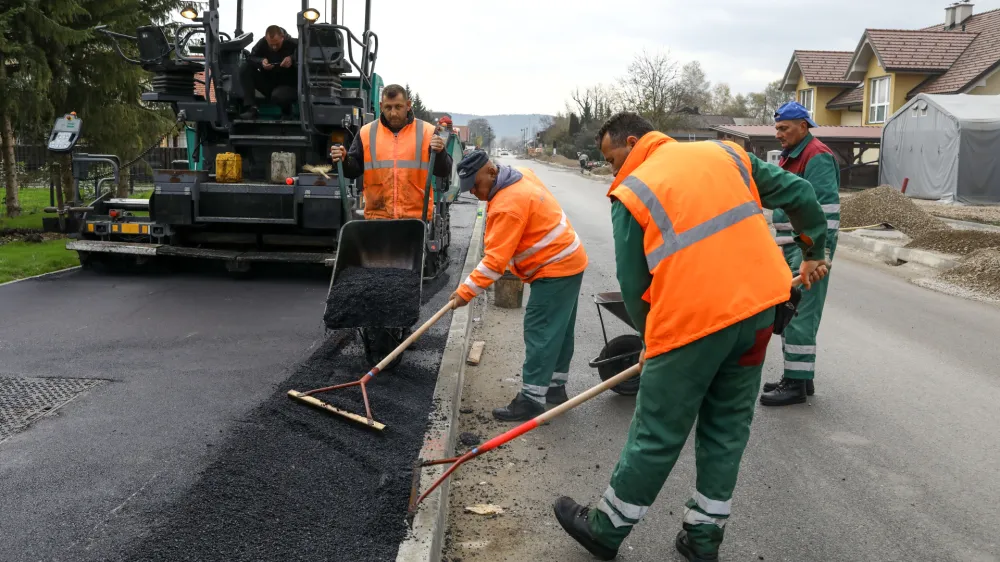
521,408
770,386
573,518
250,114
688,551
788,392
556,395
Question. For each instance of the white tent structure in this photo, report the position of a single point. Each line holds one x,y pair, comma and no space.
947,146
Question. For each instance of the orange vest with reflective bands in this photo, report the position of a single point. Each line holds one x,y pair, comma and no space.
707,242
527,232
395,170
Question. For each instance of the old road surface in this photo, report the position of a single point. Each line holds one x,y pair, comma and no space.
894,459
184,446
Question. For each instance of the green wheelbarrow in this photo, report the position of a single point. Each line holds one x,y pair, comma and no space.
621,352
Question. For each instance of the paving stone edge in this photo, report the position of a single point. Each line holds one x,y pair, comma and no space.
898,254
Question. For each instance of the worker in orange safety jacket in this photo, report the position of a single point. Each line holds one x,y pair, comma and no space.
527,231
393,156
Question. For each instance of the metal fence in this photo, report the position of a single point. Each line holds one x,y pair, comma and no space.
33,165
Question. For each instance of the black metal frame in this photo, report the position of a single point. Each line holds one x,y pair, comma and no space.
597,361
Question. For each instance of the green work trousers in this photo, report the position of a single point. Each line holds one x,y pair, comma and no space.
549,329
798,341
715,380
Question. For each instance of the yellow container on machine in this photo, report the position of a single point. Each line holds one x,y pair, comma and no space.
228,167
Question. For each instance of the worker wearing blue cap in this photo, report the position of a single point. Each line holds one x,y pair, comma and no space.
804,155
528,233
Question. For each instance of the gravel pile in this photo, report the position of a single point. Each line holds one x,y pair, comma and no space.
886,204
987,214
960,242
369,297
980,272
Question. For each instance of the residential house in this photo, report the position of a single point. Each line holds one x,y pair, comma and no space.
890,66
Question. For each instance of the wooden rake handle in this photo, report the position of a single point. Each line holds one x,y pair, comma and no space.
413,337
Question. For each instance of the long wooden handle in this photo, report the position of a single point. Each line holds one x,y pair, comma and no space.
413,337
589,393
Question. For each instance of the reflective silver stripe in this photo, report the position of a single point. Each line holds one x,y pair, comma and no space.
714,507
535,392
569,250
833,225
372,140
736,158
783,226
695,517
616,519
545,241
799,366
402,164
800,349
784,240
476,289
831,208
492,275
673,242
628,510
559,379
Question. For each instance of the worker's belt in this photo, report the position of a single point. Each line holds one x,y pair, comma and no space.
784,312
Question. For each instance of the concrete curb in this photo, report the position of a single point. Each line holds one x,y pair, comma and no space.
897,254
49,274
426,539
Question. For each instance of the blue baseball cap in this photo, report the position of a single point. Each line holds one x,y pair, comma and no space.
469,167
791,111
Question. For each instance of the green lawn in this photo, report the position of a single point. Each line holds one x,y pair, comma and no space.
33,200
21,259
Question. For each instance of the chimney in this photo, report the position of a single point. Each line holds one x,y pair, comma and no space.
949,16
963,11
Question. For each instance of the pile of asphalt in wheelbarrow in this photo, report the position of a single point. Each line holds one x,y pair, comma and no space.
296,483
363,297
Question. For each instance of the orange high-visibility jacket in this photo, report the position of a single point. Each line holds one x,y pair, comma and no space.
707,242
527,232
395,170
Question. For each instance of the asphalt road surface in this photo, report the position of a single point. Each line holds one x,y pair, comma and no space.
184,359
893,459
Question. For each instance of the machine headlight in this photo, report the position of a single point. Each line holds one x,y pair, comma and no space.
189,12
312,14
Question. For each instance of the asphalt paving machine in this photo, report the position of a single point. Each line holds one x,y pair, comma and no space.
260,213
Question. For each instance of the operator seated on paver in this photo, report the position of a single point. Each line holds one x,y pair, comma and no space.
271,70
804,155
702,279
527,231
393,154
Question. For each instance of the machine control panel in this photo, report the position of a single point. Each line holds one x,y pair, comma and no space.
65,133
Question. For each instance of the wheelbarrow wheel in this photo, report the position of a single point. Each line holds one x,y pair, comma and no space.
379,342
622,345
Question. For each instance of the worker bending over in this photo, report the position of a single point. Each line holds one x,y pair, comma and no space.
803,155
701,278
527,231
271,70
393,154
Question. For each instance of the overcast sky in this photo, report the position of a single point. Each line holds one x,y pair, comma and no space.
520,56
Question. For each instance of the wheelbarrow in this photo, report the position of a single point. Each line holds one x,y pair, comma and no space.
621,352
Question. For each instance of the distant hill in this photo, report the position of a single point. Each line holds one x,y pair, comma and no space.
509,125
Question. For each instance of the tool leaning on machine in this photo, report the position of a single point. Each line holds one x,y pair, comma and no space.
783,315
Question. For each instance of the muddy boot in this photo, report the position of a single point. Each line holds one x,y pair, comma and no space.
556,395
788,392
521,408
691,551
573,518
250,114
772,386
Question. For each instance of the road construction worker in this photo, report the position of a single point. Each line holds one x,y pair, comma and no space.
806,156
271,70
702,279
527,231
393,155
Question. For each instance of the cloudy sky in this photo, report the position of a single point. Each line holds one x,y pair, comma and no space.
520,56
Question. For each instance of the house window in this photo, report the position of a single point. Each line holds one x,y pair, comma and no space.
878,108
807,99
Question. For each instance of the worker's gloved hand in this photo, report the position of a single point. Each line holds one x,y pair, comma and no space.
286,62
437,143
337,153
457,300
812,271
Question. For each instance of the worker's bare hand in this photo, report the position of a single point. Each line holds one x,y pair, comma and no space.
812,271
457,300
286,62
437,143
642,358
266,65
337,153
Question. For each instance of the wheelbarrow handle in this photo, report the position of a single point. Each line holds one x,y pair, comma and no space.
342,181
427,185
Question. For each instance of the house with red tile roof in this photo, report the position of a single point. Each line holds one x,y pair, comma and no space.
890,66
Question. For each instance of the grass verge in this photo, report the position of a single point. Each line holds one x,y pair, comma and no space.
21,259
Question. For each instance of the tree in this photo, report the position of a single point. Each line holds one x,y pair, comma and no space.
482,132
764,104
420,111
649,89
721,98
693,89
